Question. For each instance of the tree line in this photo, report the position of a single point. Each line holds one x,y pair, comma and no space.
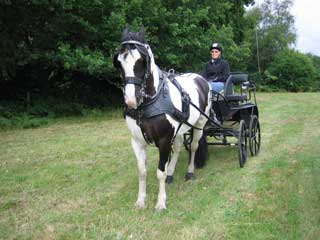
63,49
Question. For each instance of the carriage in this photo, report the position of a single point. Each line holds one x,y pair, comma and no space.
238,118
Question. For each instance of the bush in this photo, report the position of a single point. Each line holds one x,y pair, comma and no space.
41,113
292,71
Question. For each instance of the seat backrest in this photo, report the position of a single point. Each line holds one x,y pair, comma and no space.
238,78
228,87
234,79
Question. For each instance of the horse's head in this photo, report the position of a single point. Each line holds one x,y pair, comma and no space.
133,60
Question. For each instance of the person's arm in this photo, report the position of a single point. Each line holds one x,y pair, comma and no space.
204,73
225,73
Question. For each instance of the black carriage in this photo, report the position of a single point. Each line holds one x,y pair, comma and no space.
237,111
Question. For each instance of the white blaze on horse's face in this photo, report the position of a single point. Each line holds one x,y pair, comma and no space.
128,60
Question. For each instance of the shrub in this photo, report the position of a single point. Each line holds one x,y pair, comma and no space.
41,113
292,71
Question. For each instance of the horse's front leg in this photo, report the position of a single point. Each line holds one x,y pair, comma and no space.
176,147
139,149
164,150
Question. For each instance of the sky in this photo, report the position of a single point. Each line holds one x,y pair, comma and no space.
307,18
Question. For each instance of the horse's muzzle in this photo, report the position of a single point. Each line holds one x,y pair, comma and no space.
131,102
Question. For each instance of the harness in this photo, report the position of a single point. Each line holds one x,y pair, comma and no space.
162,103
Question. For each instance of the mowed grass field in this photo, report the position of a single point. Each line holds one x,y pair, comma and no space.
77,179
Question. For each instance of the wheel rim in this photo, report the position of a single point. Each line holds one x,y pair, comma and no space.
242,144
254,136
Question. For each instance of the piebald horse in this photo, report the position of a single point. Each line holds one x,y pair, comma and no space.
143,82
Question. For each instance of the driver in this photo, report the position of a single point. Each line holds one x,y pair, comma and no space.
216,70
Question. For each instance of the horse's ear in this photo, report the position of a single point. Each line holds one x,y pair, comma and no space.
125,32
141,32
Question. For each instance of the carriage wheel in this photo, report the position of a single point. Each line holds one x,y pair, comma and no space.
242,144
254,135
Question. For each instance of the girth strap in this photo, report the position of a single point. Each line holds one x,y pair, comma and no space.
183,115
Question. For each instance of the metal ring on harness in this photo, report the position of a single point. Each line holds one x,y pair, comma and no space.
171,71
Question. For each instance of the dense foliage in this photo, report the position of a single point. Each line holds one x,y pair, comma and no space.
62,49
292,71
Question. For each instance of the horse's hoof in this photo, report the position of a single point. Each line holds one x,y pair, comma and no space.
139,204
190,176
169,179
160,207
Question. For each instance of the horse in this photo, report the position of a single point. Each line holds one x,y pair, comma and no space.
154,121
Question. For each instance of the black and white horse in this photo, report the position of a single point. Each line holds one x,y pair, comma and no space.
143,80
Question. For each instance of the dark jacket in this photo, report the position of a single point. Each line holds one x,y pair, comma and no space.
217,70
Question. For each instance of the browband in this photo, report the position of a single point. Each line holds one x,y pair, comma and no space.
136,42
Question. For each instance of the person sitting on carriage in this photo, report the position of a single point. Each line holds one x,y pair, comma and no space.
216,70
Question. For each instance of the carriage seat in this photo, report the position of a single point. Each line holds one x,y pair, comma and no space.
235,79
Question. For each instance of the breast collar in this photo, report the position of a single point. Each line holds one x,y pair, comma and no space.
161,103
144,110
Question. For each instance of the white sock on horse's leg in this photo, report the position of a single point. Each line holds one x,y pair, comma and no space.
140,152
191,163
161,204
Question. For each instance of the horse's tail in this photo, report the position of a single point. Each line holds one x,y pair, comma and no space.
201,155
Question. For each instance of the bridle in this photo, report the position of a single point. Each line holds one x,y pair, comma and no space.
144,49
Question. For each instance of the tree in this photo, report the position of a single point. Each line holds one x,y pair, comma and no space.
274,26
316,63
64,48
292,71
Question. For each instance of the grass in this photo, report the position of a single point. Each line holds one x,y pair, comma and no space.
76,178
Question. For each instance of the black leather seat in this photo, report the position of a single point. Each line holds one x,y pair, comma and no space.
235,79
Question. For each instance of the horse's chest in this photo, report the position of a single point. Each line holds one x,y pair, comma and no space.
152,130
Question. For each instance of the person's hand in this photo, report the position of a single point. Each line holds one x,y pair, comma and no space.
213,79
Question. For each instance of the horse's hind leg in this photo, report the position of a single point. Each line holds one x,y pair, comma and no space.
193,148
176,147
140,152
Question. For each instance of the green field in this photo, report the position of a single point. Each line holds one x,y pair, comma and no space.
77,179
